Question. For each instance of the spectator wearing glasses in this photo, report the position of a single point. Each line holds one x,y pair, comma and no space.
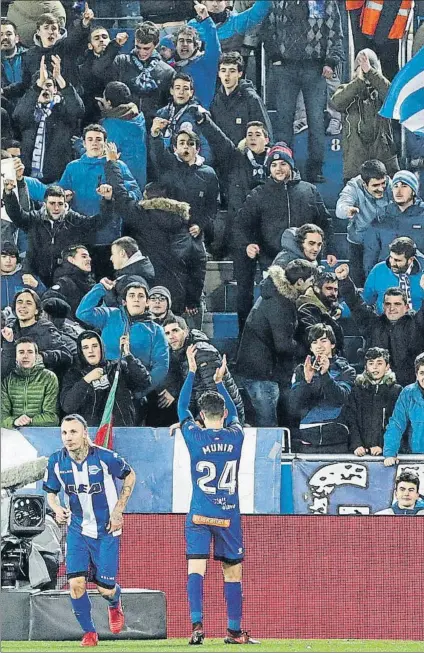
160,304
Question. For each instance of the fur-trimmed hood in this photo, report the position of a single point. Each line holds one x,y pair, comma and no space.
364,380
278,278
182,209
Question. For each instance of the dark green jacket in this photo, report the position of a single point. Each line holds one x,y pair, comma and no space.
31,392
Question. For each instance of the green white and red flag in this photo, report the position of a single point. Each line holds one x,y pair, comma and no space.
104,435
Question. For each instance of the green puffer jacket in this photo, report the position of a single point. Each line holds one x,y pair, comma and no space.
31,392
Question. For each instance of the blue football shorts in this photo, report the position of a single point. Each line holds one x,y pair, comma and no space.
227,540
102,553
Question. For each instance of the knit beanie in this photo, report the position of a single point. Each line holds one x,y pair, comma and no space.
408,178
280,151
161,290
167,42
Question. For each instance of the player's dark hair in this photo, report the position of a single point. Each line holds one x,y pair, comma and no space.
35,297
212,404
325,277
147,32
77,417
418,362
408,477
299,269
176,319
94,128
304,230
321,330
403,245
372,169
54,191
394,291
185,78
377,352
27,340
232,58
128,244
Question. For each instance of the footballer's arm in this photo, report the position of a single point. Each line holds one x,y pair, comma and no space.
61,514
116,518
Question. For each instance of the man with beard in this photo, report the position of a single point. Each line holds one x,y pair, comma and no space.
86,387
72,279
11,61
402,217
319,305
403,268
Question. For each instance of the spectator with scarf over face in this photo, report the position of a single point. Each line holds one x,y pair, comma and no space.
47,117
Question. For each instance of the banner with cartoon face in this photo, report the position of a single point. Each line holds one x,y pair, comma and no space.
350,487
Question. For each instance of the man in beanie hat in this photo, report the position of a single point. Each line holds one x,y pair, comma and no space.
160,303
13,278
167,49
402,217
283,201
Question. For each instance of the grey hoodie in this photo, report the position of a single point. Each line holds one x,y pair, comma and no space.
290,250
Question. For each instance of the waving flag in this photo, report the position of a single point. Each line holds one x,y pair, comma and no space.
104,435
405,99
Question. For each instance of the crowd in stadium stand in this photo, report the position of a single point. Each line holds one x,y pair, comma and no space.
124,141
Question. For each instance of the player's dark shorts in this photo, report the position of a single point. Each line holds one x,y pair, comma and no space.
102,553
228,540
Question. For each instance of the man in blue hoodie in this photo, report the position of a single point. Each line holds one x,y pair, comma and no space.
82,177
11,61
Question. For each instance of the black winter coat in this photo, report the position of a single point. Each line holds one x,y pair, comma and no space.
60,127
125,70
95,72
232,112
274,207
140,271
404,338
46,240
267,348
208,359
369,409
89,399
71,284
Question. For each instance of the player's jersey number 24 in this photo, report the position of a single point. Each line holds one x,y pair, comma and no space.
227,481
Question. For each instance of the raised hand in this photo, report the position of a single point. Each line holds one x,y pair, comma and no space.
7,334
19,168
252,250
201,10
158,125
8,186
107,283
124,344
218,377
327,72
87,16
191,358
105,191
342,271
43,74
364,62
324,364
57,74
121,38
308,369
111,151
29,280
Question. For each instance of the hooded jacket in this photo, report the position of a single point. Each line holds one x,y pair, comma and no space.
32,392
95,73
369,409
232,26
60,126
12,282
89,399
138,269
391,224
70,283
381,277
11,74
126,127
356,194
185,114
290,250
47,238
68,47
310,311
404,338
407,418
126,69
233,112
208,360
147,339
272,208
267,346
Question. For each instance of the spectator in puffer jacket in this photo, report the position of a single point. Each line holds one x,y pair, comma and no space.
147,339
402,217
29,394
305,242
320,391
73,278
371,403
11,61
407,418
208,360
13,278
86,387
129,266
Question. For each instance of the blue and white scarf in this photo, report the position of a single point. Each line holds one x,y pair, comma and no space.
41,113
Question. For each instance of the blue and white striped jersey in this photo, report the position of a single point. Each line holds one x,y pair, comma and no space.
89,486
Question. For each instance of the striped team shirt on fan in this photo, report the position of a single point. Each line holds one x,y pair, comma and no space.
89,487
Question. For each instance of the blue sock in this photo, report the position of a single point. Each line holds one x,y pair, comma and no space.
82,610
114,600
195,597
233,599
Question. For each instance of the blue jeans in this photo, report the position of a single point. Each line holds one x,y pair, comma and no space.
289,79
264,397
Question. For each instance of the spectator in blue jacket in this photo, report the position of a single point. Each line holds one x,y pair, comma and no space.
407,418
360,202
402,217
82,177
232,26
201,65
147,338
126,127
11,61
13,278
402,268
